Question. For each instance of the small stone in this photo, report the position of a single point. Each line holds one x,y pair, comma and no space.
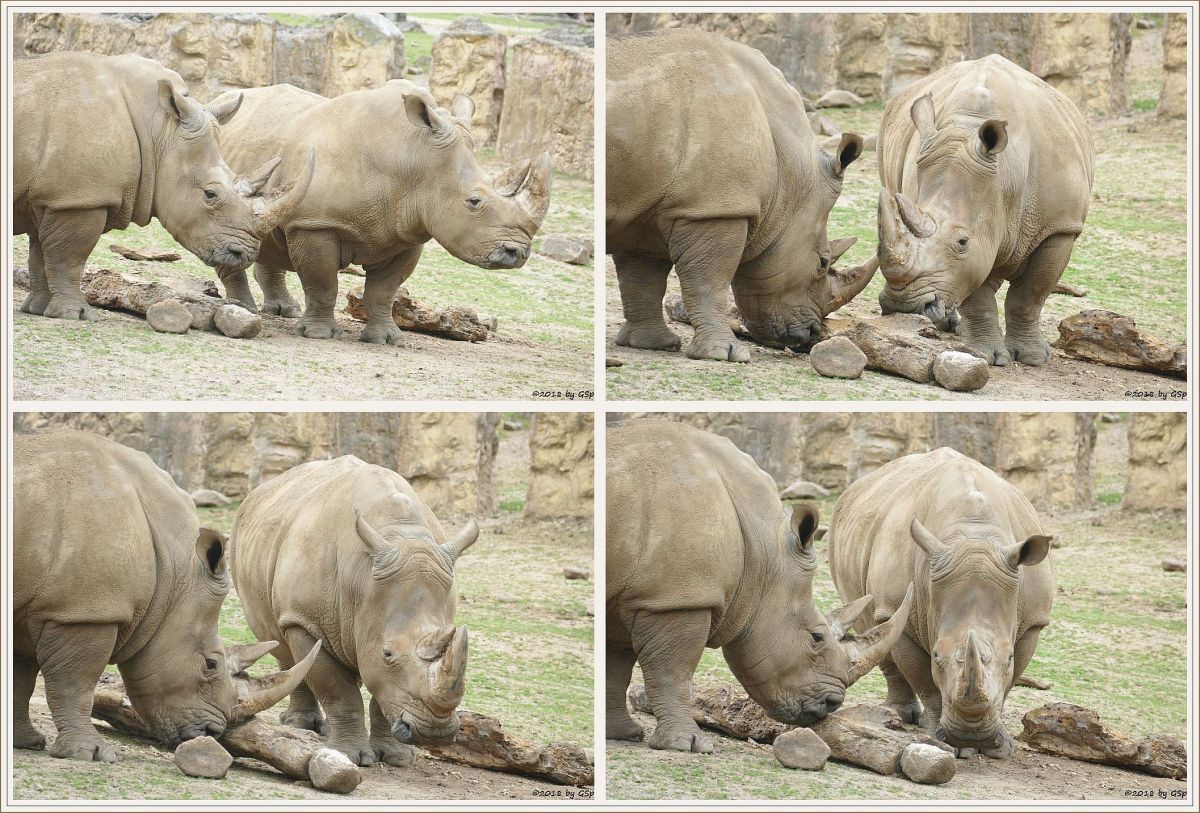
203,315
823,125
333,771
506,598
870,142
567,249
207,498
203,757
927,765
804,490
1174,566
576,573
613,361
838,358
801,748
839,98
238,323
169,316
1110,417
509,425
960,372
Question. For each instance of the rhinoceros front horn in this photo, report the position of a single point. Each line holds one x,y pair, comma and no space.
273,214
845,285
449,673
868,650
259,694
894,247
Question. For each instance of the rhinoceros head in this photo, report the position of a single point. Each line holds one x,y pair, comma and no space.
184,682
785,293
792,659
935,251
486,222
217,215
411,657
974,577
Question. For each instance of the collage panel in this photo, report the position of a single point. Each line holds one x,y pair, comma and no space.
403,599
426,182
900,206
907,606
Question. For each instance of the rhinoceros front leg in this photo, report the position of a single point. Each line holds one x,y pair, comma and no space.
387,748
277,298
237,288
618,723
72,658
643,283
67,238
315,256
1027,295
336,687
707,254
379,291
668,647
39,289
979,326
25,672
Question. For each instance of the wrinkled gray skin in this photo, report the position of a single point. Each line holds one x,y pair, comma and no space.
700,553
713,168
973,547
110,566
987,175
104,141
345,552
405,172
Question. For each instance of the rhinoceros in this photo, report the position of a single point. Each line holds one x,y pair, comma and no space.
700,553
973,546
111,566
713,169
100,142
987,174
345,552
406,173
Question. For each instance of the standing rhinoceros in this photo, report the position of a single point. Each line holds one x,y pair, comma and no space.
110,566
713,168
405,172
987,174
100,142
700,553
345,552
973,546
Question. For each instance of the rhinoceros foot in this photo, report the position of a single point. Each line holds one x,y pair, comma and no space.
909,712
1034,351
63,307
84,747
382,334
36,303
27,737
305,719
626,729
992,349
358,752
390,752
282,307
318,328
648,337
720,350
668,738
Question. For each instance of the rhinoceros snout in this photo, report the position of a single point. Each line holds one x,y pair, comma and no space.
944,316
405,733
234,256
508,255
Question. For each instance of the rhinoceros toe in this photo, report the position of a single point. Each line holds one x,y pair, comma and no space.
289,308
1032,352
36,303
390,752
665,738
62,307
318,328
382,334
648,337
719,351
83,748
29,738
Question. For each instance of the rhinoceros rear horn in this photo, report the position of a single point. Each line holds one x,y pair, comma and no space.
278,211
241,657
914,218
528,183
259,694
843,618
449,674
464,539
223,107
868,650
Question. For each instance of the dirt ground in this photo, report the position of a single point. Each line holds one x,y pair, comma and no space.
1131,259
1117,643
530,666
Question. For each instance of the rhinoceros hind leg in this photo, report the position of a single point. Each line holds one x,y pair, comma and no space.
1027,295
979,326
643,283
237,288
277,299
707,254
72,658
387,748
336,687
39,290
900,695
25,672
316,258
67,238
379,292
668,647
618,723
303,710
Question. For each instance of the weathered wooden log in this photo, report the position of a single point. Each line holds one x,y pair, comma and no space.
459,323
1075,732
144,254
1110,338
1032,683
868,736
1068,289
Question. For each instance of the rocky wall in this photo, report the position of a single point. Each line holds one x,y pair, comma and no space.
1084,56
1172,98
1157,462
562,455
468,57
1048,456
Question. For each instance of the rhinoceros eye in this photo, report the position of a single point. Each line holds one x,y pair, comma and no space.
817,637
209,194
474,201
210,664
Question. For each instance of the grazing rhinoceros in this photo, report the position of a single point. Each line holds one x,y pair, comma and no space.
345,552
100,142
713,168
987,174
406,172
700,553
110,566
973,546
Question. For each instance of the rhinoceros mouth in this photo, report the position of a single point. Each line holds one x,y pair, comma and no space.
412,731
987,736
938,308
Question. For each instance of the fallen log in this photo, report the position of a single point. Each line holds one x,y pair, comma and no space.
459,323
1075,732
1068,289
145,254
868,736
1109,338
1032,683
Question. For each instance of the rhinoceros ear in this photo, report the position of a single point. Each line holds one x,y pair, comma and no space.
1030,552
923,117
463,107
184,108
210,548
803,527
993,137
848,151
422,112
